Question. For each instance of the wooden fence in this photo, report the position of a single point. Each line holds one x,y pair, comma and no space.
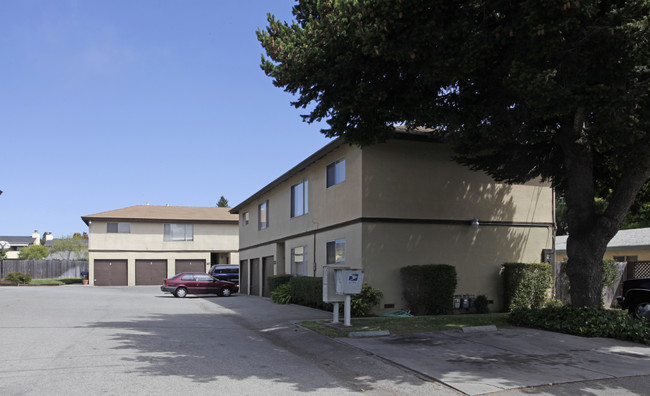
46,269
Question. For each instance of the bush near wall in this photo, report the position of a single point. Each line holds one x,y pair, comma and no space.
308,291
525,285
584,322
429,289
18,277
277,280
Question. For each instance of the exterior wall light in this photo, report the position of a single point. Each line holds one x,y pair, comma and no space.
475,223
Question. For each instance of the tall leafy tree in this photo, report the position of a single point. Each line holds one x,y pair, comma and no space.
554,89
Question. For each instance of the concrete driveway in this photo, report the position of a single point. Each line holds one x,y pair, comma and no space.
80,340
512,359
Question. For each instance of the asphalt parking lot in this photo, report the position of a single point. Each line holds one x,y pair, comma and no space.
71,340
80,340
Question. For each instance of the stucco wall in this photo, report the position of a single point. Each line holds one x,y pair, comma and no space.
406,179
327,206
149,236
476,253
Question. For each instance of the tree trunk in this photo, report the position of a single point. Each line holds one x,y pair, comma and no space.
589,231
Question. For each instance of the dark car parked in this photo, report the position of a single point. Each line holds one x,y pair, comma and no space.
186,283
227,272
636,297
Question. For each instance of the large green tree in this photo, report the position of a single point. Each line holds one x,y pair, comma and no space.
33,252
554,89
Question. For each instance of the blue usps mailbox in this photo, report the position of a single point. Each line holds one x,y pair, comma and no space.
349,281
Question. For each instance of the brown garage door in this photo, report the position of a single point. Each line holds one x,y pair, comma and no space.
110,273
150,272
190,266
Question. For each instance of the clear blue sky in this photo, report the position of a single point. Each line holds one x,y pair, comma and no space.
108,104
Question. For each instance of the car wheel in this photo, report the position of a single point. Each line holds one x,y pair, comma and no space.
641,310
226,292
181,292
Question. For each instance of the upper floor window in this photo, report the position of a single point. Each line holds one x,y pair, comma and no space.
299,199
335,173
336,251
179,232
118,228
244,219
263,215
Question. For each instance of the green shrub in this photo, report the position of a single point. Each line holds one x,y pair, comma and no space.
308,291
18,277
553,304
481,304
584,322
69,281
525,285
362,303
429,289
277,280
281,294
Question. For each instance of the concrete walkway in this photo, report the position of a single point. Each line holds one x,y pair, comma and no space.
511,358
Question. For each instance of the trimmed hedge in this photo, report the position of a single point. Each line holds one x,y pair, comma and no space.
584,322
277,280
525,285
429,289
308,291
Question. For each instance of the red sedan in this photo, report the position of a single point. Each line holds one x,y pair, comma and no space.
186,283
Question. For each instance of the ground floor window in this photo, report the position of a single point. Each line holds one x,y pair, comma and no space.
299,261
336,252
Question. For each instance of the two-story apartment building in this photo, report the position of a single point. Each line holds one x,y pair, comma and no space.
144,244
383,207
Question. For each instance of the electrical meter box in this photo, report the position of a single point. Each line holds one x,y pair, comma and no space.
329,284
349,281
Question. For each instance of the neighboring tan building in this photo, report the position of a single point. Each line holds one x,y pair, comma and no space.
383,207
626,246
144,244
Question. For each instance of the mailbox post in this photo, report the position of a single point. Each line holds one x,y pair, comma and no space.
339,283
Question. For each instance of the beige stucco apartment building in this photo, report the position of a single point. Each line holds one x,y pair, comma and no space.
383,207
144,244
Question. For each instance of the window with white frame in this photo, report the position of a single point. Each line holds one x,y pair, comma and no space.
178,232
299,199
244,219
335,173
118,228
336,251
263,215
299,261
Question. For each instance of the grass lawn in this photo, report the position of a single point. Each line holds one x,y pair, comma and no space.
407,325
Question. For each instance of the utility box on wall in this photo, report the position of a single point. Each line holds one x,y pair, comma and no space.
349,281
